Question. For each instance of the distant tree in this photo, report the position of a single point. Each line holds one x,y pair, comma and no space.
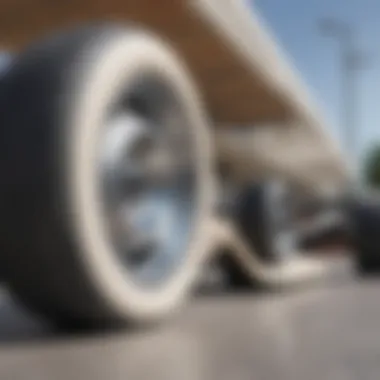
372,166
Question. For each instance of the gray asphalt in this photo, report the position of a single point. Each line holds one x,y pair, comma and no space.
330,332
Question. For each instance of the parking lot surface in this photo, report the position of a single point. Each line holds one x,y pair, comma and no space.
326,332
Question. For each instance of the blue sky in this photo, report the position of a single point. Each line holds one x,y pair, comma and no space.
295,25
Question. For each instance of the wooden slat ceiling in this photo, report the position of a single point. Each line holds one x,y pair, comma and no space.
232,93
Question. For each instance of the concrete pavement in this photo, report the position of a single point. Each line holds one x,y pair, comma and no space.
324,333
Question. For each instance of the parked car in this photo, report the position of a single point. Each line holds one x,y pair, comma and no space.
118,143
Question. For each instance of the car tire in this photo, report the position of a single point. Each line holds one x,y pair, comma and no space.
56,255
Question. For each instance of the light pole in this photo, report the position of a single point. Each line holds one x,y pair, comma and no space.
351,60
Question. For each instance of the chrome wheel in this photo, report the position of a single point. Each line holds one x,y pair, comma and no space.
280,225
148,183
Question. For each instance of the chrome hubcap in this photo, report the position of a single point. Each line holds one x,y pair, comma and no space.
148,181
281,226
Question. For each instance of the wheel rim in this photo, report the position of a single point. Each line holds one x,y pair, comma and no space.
148,181
281,228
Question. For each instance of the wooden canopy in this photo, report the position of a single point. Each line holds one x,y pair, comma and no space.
244,78
234,93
